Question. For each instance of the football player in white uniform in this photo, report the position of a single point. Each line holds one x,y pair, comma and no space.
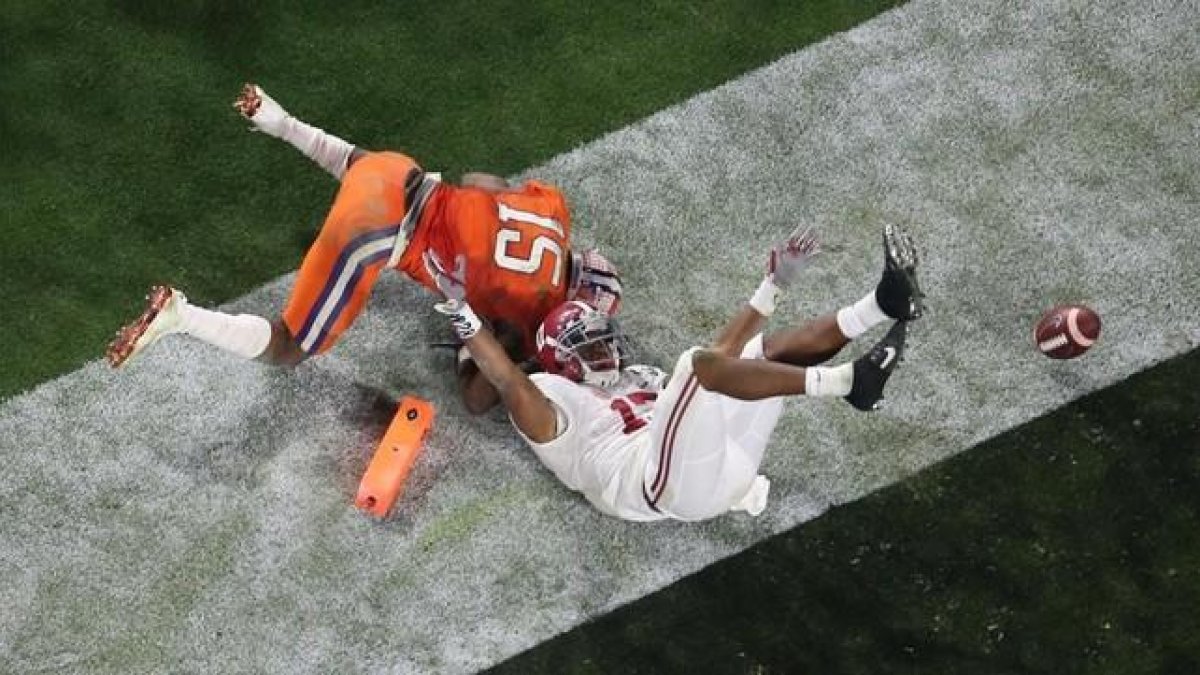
641,446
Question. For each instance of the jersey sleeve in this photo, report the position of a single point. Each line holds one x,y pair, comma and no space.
593,454
565,397
561,454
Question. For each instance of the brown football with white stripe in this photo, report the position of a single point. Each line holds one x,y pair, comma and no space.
1067,331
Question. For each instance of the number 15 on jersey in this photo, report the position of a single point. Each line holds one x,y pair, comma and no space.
536,227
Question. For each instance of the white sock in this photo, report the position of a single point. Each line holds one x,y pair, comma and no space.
860,317
246,335
824,381
328,151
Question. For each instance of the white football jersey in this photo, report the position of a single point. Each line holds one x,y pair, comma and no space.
604,440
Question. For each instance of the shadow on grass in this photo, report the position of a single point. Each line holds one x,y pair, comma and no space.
1068,545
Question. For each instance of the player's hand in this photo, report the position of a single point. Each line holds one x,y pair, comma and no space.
255,105
788,258
595,281
647,378
451,282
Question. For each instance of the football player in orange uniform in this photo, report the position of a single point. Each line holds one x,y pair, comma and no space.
513,240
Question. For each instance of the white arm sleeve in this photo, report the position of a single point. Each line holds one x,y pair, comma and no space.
328,151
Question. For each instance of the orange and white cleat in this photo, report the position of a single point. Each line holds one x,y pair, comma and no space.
161,317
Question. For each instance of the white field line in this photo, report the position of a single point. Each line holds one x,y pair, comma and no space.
193,512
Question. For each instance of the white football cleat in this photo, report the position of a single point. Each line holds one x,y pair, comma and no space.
162,316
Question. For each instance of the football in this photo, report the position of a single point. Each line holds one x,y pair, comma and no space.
1067,331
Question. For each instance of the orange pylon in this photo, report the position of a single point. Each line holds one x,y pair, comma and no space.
383,481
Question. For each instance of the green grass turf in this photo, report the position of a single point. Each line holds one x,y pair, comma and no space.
1065,546
124,165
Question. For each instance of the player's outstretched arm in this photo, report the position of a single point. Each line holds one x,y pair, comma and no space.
328,151
530,410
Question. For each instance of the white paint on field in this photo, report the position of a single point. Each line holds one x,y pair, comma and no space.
193,514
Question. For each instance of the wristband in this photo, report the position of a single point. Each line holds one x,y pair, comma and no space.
462,318
763,300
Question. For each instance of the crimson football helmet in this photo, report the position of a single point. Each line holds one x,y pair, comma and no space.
582,344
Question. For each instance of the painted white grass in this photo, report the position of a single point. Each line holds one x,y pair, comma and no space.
192,514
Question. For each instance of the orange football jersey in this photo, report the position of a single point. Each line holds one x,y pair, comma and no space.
516,244
388,213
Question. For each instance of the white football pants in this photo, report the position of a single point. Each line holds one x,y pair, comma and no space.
706,447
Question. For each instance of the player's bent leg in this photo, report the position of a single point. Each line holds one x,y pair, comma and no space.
355,244
755,380
329,152
811,344
168,311
746,379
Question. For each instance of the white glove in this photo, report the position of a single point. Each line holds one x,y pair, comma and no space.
645,377
453,286
267,116
784,264
596,281
789,257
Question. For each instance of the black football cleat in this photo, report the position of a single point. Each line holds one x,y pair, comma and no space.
872,370
898,294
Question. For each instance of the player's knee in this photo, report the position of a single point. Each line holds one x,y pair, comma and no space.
772,350
707,366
